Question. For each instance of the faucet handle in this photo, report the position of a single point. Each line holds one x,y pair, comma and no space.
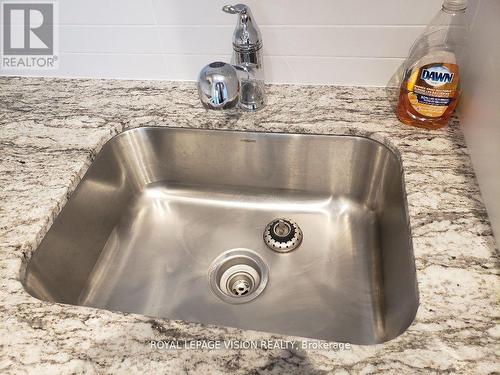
234,9
246,36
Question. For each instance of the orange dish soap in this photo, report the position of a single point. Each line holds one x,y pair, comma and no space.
430,88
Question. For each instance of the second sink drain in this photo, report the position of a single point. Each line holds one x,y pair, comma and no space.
283,235
238,276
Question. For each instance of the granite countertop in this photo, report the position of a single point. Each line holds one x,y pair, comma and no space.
50,131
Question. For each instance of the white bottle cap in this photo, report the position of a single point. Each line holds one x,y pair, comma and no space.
455,4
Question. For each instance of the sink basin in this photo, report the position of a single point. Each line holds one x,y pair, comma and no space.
161,212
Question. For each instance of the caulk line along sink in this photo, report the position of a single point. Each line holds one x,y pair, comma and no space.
195,225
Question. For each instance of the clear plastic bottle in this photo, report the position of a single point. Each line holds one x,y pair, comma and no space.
430,88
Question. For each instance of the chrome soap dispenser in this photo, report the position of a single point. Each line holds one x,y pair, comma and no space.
219,84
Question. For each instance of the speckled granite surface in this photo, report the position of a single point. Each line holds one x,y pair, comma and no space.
51,129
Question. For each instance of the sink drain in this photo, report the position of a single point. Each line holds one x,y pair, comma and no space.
238,276
239,279
283,235
240,284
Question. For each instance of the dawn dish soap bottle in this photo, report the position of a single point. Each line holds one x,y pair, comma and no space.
430,88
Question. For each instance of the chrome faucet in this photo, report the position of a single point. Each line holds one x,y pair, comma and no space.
240,84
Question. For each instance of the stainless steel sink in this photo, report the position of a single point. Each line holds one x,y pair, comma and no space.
171,222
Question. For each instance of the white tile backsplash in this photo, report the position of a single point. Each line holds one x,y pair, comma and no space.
110,39
106,12
313,41
353,42
331,70
339,41
123,66
300,12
